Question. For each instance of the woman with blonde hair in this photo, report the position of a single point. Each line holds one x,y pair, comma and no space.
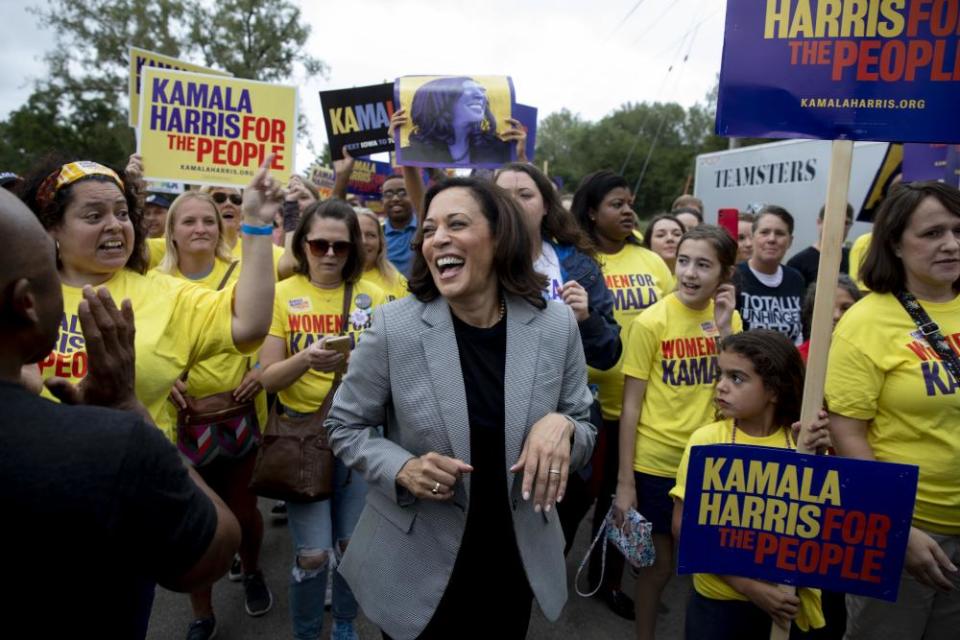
376,267
196,251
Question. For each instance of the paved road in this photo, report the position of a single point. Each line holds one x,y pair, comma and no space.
582,619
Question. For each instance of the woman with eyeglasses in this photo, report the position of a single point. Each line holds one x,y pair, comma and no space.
297,365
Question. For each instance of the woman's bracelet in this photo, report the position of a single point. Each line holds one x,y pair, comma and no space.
255,230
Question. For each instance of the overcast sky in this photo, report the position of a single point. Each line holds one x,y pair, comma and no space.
589,58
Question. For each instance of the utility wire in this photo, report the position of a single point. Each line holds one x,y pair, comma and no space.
626,17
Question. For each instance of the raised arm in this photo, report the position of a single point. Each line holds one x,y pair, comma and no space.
253,296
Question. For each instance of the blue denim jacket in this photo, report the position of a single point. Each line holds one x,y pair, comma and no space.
600,332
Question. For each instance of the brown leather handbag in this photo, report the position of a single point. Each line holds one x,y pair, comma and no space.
295,462
217,425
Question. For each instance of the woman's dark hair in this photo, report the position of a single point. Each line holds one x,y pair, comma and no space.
882,270
432,114
591,191
844,282
558,224
719,238
51,215
648,234
774,210
512,261
333,209
778,363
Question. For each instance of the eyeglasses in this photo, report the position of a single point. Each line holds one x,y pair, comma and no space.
220,197
320,247
399,193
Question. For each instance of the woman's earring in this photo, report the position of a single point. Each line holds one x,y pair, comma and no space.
485,125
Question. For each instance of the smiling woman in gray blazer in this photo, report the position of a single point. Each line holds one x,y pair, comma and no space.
481,386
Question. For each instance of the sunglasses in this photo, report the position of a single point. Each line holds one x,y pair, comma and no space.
320,247
221,197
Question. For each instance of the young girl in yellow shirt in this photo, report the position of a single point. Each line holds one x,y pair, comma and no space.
670,366
759,395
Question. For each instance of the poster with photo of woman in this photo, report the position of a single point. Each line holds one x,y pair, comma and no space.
455,121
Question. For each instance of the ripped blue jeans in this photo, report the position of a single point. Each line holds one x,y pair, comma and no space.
315,528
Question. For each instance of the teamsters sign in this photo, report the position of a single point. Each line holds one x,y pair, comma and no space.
790,518
207,129
841,69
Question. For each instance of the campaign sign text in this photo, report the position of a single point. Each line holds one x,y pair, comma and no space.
931,162
213,130
804,520
368,176
841,69
358,119
140,58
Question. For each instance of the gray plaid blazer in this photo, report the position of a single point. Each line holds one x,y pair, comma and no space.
405,374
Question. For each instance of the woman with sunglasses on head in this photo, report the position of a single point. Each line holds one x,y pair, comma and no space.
299,367
197,252
92,213
377,268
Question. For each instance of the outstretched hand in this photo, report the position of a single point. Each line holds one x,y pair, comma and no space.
263,197
109,336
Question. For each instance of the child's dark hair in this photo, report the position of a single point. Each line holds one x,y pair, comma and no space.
778,363
723,244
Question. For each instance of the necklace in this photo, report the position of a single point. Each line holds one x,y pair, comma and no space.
786,436
503,309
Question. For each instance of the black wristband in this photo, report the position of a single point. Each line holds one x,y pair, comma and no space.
291,215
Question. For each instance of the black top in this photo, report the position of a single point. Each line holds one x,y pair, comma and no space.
488,561
97,506
807,262
776,308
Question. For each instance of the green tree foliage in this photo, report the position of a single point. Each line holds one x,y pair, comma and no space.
658,141
79,108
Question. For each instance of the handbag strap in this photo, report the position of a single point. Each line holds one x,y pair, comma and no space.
603,558
347,296
931,333
223,283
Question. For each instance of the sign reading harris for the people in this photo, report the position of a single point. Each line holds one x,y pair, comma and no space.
140,58
215,130
454,121
804,520
358,119
841,69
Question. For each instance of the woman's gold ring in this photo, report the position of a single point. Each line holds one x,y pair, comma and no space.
436,489
554,471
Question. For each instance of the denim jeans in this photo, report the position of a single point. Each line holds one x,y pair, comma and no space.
317,527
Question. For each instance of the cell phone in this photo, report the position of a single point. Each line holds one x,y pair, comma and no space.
729,219
338,343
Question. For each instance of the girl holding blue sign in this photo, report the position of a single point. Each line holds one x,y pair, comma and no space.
759,393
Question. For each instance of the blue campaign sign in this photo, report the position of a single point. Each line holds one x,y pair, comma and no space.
804,520
841,69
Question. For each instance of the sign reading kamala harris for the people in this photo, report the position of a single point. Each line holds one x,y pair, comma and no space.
803,520
841,69
358,119
140,58
214,130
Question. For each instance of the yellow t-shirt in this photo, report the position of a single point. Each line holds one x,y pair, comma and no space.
674,348
277,253
303,314
395,290
637,278
157,248
707,584
857,253
177,325
222,372
882,371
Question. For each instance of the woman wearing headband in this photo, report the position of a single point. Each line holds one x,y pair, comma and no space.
93,216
